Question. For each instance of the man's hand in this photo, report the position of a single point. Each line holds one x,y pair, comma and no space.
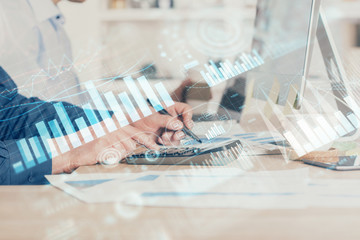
165,129
147,131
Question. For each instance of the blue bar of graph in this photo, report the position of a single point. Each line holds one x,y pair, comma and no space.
258,56
94,122
66,122
26,153
115,107
37,149
105,115
90,114
18,167
252,60
129,106
231,66
45,136
150,93
59,137
248,61
216,69
208,81
164,94
224,71
233,74
214,76
239,66
135,92
84,130
245,63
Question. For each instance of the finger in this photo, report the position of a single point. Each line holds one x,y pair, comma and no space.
142,138
129,145
172,138
168,122
183,110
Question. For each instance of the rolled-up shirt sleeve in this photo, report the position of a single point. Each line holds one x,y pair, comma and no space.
9,175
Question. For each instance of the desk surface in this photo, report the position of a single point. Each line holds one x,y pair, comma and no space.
43,212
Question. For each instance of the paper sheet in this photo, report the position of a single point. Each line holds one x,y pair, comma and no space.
198,188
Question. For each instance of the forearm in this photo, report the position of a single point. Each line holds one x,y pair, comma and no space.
14,172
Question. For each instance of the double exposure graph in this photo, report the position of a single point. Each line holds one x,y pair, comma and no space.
41,148
217,73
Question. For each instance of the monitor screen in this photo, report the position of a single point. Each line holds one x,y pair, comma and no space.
281,37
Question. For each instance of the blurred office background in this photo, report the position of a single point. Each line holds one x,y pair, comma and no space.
167,34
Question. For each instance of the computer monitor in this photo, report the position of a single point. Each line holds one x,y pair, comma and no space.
284,36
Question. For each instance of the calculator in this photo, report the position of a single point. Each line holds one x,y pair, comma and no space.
207,154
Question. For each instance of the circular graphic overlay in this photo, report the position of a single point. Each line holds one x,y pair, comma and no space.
109,156
217,38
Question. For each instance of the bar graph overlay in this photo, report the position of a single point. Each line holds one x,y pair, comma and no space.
59,137
313,132
215,131
216,74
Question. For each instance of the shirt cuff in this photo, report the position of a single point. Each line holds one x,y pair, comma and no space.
20,176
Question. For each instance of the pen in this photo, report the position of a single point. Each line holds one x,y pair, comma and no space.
186,130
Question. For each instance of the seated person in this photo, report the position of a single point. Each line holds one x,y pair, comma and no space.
18,116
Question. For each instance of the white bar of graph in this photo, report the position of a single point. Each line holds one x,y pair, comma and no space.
215,77
46,139
227,70
213,81
135,92
237,64
59,137
228,63
354,120
294,143
150,93
218,77
222,128
35,148
327,127
237,69
165,96
99,131
109,123
217,129
253,61
210,134
257,61
84,130
308,147
115,107
322,136
258,56
68,126
353,105
248,60
309,133
340,130
224,73
244,67
131,110
26,153
342,119
208,81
